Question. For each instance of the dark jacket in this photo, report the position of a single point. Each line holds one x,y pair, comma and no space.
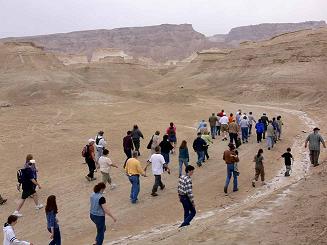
137,134
128,143
199,144
165,146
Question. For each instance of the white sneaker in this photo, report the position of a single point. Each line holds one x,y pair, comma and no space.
16,213
37,207
113,186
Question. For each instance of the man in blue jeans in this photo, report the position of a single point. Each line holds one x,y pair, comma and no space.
230,157
185,194
134,170
199,145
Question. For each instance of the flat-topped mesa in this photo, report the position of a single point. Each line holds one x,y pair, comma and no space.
106,53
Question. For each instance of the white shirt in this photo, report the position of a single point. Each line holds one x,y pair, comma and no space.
9,237
102,142
157,161
105,164
223,120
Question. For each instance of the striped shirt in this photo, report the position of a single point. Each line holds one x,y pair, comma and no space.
185,187
314,140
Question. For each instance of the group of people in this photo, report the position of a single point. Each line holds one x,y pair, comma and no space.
96,157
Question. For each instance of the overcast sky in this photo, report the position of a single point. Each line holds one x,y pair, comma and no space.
32,17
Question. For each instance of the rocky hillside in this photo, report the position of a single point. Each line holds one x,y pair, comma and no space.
161,43
263,31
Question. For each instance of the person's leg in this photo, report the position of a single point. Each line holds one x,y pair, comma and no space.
206,152
230,138
160,183
134,190
91,165
228,176
20,204
235,138
157,182
101,228
191,213
243,134
235,182
268,143
185,207
180,160
262,173
316,157
57,236
246,130
202,156
199,158
35,199
250,129
264,133
138,186
131,181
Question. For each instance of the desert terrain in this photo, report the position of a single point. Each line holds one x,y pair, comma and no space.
50,110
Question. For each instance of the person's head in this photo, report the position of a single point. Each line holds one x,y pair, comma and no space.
222,110
199,134
259,121
135,154
91,141
288,149
213,114
129,132
157,132
165,137
171,124
183,144
260,151
274,119
270,121
135,127
204,125
12,220
279,117
101,133
240,113
231,114
51,204
244,117
189,170
100,187
29,157
233,120
316,130
264,114
231,146
250,113
224,114
105,152
157,149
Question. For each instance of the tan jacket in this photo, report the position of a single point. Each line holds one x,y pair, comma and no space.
233,128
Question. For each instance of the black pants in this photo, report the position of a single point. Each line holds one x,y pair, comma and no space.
157,183
91,165
128,153
264,134
206,152
136,143
250,129
218,130
233,137
259,137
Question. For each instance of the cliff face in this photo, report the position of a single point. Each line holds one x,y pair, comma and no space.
161,43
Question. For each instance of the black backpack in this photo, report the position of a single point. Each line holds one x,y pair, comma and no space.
20,175
97,140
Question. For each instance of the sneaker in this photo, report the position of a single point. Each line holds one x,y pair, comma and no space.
154,194
37,207
253,183
16,213
163,187
225,189
235,190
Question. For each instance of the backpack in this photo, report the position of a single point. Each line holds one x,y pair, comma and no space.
171,131
85,151
97,140
20,176
150,143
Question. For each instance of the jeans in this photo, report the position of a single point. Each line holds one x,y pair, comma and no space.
181,162
56,237
128,153
217,130
200,157
189,210
166,157
136,143
100,223
245,133
157,183
233,137
135,181
259,137
230,172
213,131
270,141
91,165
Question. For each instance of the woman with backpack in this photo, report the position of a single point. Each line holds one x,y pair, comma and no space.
51,211
9,237
259,168
155,141
171,132
183,157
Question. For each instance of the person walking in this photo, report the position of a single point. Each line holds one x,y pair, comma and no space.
171,132
202,124
260,128
218,125
276,128
251,121
259,168
31,163
244,125
9,236
199,147
166,147
134,170
155,142
98,211
185,193
100,144
224,126
90,159
136,136
2,200
104,165
264,120
230,157
314,139
28,183
183,157
280,125
128,146
230,118
270,135
51,211
212,121
208,141
233,129
288,157
158,164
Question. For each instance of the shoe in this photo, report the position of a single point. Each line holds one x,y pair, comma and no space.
37,207
3,201
163,187
154,194
225,189
235,190
92,179
315,165
88,178
199,164
253,183
247,141
268,148
16,213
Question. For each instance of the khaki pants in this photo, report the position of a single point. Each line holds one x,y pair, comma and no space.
260,171
106,178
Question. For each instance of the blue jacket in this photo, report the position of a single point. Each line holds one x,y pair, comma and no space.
51,220
183,153
260,127
199,144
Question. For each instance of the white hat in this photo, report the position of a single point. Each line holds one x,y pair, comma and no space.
224,114
91,140
32,161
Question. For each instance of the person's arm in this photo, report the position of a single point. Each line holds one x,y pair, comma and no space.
306,141
189,192
322,141
35,183
187,155
12,238
107,212
140,170
52,220
140,134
